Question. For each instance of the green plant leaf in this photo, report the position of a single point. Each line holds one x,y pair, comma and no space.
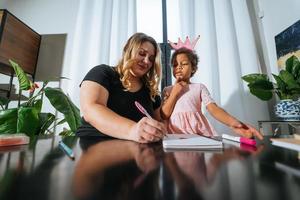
296,70
280,84
64,105
24,82
8,120
28,121
38,105
250,78
264,95
61,121
46,119
288,79
261,85
4,101
262,89
291,63
65,133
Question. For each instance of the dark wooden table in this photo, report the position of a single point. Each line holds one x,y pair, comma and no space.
115,169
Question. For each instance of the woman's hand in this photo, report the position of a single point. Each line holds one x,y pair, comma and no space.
147,130
146,158
245,130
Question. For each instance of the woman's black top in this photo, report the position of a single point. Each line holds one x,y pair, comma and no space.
119,101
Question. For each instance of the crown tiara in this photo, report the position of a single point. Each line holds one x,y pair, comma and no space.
187,44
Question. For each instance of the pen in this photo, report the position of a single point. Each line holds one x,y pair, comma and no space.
144,111
239,139
66,149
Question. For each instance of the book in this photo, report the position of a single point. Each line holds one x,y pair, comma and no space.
13,139
191,142
289,143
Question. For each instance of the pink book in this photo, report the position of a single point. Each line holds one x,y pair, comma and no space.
13,139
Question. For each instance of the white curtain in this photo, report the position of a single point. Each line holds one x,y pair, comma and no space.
101,31
227,51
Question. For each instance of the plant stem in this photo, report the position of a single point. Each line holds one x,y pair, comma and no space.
41,92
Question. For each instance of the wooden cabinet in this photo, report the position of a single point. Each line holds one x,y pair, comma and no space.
19,43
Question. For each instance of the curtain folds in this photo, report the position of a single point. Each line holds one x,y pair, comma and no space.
226,48
227,51
102,29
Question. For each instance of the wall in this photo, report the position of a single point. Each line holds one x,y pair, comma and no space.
276,16
51,19
47,18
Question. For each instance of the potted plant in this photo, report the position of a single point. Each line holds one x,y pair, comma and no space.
286,87
28,118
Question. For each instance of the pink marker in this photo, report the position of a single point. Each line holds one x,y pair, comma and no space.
142,109
239,139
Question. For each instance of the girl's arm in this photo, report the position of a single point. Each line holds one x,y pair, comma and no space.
157,114
227,119
221,115
93,100
169,100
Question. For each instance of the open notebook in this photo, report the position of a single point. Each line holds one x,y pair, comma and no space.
189,142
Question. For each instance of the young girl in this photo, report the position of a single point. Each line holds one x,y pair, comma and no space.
182,101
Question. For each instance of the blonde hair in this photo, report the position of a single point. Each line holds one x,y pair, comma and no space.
153,76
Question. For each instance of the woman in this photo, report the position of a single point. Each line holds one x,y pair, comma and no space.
107,95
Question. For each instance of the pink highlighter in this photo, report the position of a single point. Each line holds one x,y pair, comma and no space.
242,140
142,109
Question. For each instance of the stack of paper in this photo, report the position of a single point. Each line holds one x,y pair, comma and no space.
185,141
289,143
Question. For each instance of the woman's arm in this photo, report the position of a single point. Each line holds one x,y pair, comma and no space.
93,102
227,119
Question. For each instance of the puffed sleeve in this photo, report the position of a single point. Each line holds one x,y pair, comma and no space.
205,95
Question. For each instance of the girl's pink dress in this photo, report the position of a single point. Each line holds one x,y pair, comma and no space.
187,116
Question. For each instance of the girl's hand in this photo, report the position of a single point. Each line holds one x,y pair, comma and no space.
178,87
147,130
245,130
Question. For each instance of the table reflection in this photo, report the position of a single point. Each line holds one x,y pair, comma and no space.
191,171
31,171
116,169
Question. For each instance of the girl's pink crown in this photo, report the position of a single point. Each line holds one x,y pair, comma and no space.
187,44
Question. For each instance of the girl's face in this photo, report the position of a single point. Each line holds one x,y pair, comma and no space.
182,68
144,60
